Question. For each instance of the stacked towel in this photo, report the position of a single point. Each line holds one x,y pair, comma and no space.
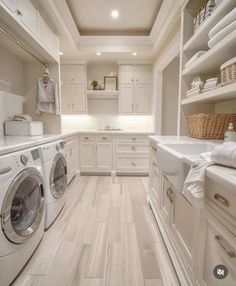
223,28
194,58
225,154
210,83
194,91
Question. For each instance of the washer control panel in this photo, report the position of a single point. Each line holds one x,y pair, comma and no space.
24,159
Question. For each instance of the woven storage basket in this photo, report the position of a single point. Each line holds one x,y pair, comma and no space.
209,126
228,74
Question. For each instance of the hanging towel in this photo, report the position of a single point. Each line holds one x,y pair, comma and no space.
226,20
222,34
193,188
47,97
225,154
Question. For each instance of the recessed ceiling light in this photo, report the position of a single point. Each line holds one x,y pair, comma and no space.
114,14
134,54
61,53
98,54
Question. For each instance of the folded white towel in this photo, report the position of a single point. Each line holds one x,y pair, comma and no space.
222,34
193,188
226,20
225,154
195,57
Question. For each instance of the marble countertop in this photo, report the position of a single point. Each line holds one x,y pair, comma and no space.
180,139
10,144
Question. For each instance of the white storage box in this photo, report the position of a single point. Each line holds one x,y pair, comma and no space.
23,128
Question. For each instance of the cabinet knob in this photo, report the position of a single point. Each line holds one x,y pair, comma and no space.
86,138
133,163
104,138
133,148
133,138
19,13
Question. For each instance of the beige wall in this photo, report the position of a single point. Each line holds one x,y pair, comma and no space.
170,98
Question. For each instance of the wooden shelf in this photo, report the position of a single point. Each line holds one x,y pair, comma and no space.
200,39
224,93
214,58
102,94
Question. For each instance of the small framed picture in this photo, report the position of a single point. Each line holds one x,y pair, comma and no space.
110,82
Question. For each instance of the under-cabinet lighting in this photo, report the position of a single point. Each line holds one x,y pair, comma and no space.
134,54
98,54
61,53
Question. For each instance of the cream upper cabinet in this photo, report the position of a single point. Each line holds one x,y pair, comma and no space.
29,15
135,89
73,95
126,102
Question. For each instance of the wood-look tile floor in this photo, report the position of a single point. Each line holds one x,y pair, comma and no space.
106,235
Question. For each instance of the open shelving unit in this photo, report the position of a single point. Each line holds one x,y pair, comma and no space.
221,99
102,94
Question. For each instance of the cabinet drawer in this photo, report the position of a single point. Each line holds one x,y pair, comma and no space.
222,201
133,148
132,138
219,249
103,138
132,163
87,138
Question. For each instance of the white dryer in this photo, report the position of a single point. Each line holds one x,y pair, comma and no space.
55,179
21,210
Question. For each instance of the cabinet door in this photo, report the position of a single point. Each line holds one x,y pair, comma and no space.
166,201
185,226
126,74
218,248
77,74
29,15
66,99
65,73
126,99
78,98
87,155
142,98
104,156
11,4
142,74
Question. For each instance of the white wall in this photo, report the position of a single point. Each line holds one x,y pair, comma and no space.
11,73
170,91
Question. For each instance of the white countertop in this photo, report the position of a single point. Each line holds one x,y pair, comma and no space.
179,139
10,144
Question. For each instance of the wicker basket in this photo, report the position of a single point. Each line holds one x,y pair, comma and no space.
209,126
228,74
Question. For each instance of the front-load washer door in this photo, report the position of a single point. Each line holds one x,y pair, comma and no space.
58,176
23,206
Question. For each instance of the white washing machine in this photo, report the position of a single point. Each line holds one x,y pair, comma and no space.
21,210
55,179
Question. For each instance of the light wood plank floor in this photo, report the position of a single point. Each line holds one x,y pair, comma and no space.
106,235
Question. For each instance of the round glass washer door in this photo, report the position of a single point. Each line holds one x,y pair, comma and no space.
23,206
58,176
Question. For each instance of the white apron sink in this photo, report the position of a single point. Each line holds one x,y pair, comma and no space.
170,159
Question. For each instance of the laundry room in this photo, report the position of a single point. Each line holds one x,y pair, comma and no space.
117,143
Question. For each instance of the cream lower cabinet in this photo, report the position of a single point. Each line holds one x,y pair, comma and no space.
217,247
71,154
96,153
131,154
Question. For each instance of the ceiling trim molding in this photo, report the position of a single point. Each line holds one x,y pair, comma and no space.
114,40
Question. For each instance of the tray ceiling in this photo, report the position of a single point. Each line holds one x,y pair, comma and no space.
93,17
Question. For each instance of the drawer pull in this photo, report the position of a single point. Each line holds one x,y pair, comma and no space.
133,148
86,138
104,138
133,138
154,164
221,200
169,194
154,149
133,163
230,253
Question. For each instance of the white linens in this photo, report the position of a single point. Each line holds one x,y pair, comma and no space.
226,20
222,34
225,154
194,184
195,57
